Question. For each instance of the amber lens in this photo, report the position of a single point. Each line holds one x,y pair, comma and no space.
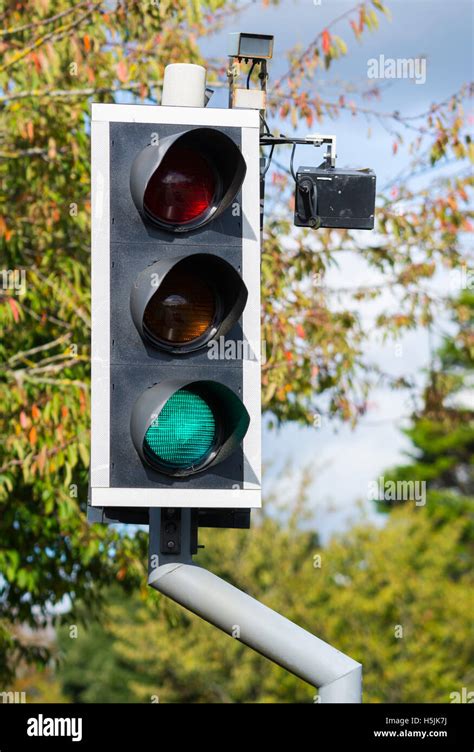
181,310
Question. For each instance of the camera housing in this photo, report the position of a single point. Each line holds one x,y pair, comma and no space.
334,197
250,46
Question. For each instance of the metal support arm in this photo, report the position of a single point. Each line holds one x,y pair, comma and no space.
315,139
338,677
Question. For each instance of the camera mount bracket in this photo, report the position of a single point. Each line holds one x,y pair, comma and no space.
315,139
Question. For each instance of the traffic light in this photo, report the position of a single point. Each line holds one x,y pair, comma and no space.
175,308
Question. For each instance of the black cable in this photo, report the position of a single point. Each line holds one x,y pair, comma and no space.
268,132
292,169
265,124
269,161
250,73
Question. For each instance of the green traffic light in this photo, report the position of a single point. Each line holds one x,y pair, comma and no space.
183,433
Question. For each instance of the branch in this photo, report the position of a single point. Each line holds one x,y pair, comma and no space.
27,373
465,90
49,453
57,33
66,92
79,310
42,22
306,52
35,151
41,317
40,348
57,382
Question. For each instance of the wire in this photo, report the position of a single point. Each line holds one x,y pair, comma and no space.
269,133
250,73
269,161
265,124
292,169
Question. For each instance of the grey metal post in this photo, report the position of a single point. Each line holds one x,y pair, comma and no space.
338,677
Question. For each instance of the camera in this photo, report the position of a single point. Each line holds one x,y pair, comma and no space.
332,197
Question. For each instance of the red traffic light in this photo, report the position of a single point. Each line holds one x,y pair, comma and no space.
188,179
183,187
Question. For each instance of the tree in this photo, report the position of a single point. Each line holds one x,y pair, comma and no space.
56,58
442,430
397,599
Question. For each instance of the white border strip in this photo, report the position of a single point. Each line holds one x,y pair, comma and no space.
175,497
251,369
145,113
100,272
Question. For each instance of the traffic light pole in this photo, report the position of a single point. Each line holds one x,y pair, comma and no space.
161,174
338,677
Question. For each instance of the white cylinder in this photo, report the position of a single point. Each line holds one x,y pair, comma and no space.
184,85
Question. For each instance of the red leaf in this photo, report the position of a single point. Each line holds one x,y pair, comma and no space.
42,459
82,401
36,61
122,71
33,436
14,308
23,419
395,147
300,331
326,41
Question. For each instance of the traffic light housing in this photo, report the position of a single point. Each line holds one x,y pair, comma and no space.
180,304
187,179
175,308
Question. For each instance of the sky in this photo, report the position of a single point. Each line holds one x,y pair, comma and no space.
346,460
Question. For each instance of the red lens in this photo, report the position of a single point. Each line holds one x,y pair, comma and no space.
182,188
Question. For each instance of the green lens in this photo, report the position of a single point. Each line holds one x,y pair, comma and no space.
184,431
